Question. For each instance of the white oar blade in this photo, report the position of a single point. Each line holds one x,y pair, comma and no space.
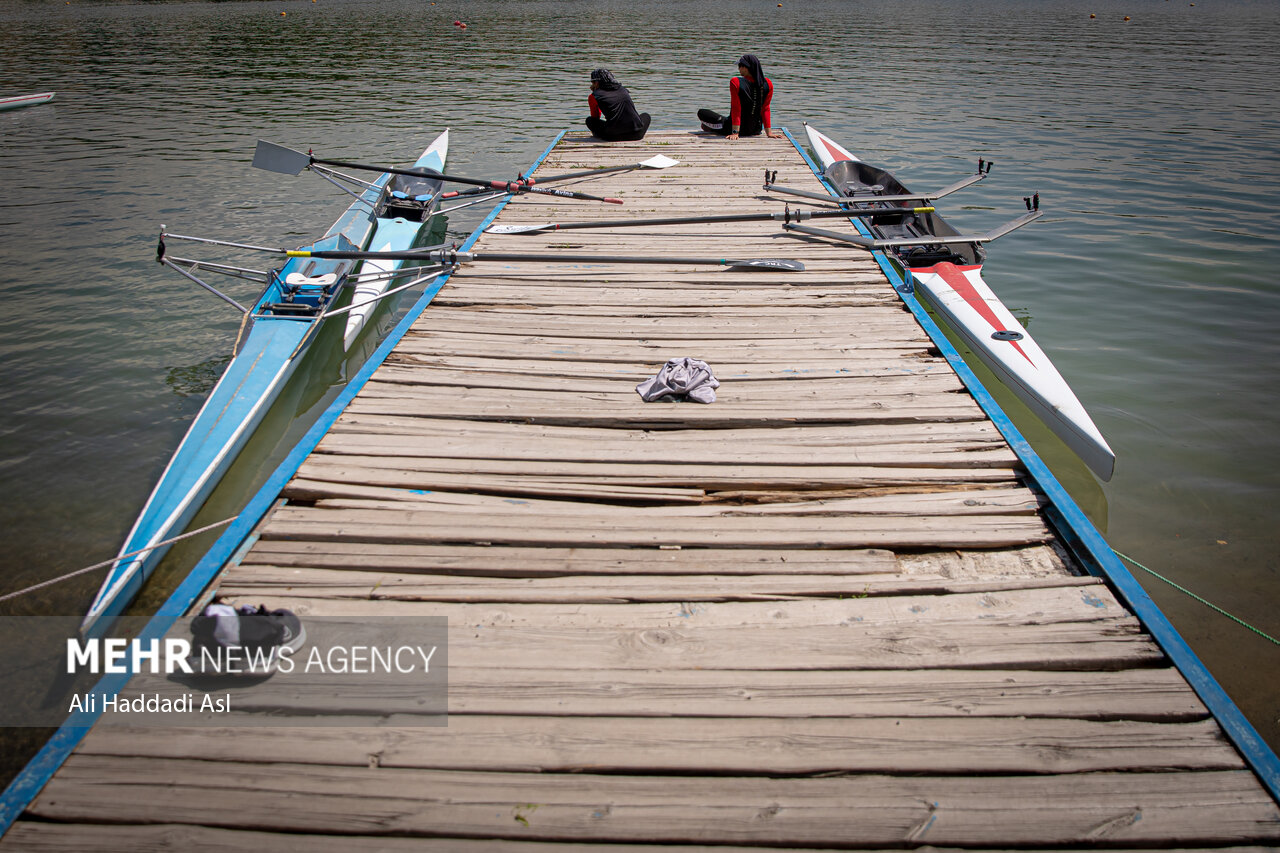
767,264
661,161
277,158
516,229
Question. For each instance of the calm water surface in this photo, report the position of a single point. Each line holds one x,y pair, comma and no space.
1155,145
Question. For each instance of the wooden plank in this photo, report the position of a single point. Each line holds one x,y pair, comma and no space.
309,582
796,389
1026,607
50,837
813,437
725,532
589,478
566,561
985,453
946,502
511,485
161,838
1125,808
732,746
1141,694
552,411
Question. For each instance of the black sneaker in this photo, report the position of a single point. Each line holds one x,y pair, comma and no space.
292,635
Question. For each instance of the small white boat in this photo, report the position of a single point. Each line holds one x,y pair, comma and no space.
947,267
25,100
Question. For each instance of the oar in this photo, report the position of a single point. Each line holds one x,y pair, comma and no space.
871,243
865,199
451,256
784,216
277,158
661,161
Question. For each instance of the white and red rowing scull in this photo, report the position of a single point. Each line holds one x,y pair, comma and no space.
947,267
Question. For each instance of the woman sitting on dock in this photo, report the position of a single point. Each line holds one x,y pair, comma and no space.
749,96
610,99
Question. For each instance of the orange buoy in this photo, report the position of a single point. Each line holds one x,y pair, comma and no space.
1126,17
1092,16
462,26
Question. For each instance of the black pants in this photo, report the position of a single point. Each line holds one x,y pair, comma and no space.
713,122
600,129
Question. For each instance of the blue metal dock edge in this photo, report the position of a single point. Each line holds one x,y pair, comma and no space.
1086,543
40,769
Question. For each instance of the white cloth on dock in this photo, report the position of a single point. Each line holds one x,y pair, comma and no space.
681,379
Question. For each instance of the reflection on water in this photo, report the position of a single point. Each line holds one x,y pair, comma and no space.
197,379
1150,141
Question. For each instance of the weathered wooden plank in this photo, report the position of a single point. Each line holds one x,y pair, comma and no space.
796,389
741,372
1125,808
669,322
309,582
947,502
1135,694
731,745
493,407
1153,695
513,485
566,561
739,349
1115,644
1025,607
987,453
161,838
824,437
390,525
422,472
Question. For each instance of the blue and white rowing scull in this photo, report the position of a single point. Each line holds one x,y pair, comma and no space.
388,214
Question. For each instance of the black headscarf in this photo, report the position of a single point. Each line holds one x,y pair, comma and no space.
605,78
754,89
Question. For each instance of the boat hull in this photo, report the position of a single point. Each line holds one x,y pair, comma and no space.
25,101
955,289
269,351
282,323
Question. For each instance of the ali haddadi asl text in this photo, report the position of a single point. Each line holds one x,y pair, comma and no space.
91,703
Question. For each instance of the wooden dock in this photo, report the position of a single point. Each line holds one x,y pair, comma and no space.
825,611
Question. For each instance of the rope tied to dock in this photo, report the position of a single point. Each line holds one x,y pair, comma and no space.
114,560
1203,601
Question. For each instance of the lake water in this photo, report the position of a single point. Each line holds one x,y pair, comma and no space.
1154,143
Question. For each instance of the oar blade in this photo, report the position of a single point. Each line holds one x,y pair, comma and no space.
277,158
661,161
767,264
516,229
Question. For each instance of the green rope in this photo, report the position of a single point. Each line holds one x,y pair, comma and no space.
1208,604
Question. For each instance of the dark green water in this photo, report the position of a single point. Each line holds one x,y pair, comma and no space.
1154,143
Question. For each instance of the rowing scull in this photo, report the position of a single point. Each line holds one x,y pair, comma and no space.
273,340
948,269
